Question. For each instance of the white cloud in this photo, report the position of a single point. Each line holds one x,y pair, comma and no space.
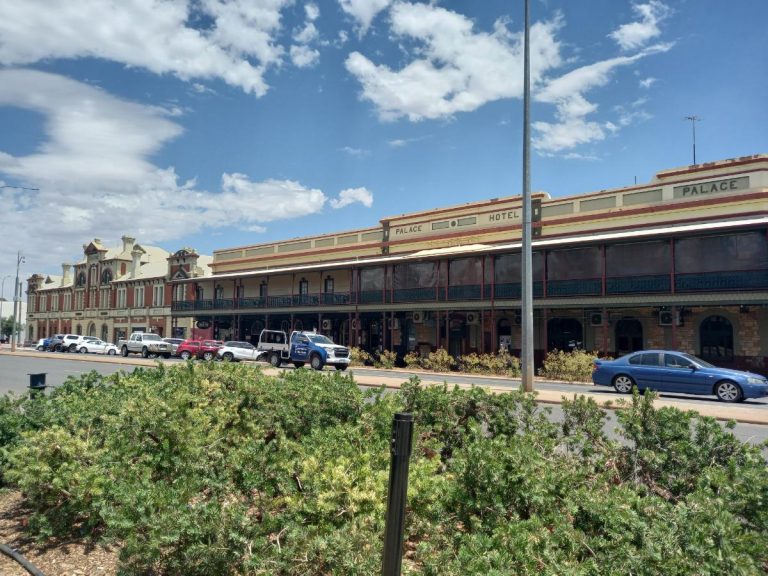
304,56
647,82
238,48
355,151
312,11
364,11
457,69
352,195
96,179
637,34
403,142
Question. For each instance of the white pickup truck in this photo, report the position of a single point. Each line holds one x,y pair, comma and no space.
146,344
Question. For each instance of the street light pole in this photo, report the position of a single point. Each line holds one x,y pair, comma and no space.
16,301
2,300
527,264
693,119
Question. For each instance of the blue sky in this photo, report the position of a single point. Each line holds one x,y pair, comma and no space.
220,123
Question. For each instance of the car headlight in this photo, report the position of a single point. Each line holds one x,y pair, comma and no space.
757,381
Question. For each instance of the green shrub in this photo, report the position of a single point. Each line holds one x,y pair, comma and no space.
386,359
218,469
412,360
359,357
439,361
575,366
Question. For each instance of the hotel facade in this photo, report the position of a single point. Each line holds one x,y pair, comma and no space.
680,262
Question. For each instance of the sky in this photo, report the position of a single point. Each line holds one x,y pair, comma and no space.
221,123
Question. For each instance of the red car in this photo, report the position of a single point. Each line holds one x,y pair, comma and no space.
204,349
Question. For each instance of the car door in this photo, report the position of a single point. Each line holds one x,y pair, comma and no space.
247,351
95,346
300,347
682,375
647,370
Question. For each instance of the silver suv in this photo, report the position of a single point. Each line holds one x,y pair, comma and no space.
234,351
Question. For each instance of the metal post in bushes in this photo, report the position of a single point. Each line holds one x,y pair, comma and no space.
400,448
36,384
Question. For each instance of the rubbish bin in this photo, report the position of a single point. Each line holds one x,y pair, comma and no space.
37,381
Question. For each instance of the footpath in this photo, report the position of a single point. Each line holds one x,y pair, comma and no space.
756,413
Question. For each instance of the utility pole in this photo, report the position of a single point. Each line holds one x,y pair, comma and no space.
693,119
16,301
527,264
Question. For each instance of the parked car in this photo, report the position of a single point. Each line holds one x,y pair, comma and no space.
55,343
71,342
174,342
671,371
42,344
235,351
203,349
97,347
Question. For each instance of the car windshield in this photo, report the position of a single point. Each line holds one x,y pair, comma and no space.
151,337
698,361
319,339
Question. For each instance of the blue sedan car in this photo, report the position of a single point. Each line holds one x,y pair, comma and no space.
669,371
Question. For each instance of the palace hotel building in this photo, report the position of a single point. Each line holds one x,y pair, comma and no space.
680,262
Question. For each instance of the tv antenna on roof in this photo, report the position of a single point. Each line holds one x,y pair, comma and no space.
693,119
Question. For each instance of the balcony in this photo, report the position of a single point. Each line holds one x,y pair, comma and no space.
580,287
638,284
722,281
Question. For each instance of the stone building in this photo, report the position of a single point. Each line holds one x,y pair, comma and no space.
114,291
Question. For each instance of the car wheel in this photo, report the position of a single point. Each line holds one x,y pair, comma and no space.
341,367
166,356
623,384
228,357
316,362
72,348
144,352
124,351
39,348
298,364
112,352
83,350
274,359
207,356
185,355
728,392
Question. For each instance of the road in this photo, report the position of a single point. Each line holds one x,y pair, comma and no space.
15,370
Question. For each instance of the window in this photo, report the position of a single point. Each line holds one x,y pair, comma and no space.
43,303
651,359
748,251
178,292
674,361
104,298
328,287
574,264
54,302
263,290
716,337
303,286
158,295
67,302
80,279
122,297
79,300
138,297
415,275
638,259
218,293
106,276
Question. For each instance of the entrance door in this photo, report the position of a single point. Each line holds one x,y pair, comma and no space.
629,336
564,334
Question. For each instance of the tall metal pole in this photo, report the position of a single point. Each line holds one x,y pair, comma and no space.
527,264
693,119
16,301
400,448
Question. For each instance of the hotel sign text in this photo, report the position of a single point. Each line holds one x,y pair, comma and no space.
712,187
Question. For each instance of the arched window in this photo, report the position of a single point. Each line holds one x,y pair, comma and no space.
106,276
81,279
716,339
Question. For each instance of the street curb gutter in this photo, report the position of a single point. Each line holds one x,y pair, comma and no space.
722,412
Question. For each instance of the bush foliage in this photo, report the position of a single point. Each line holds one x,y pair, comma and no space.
217,469
575,366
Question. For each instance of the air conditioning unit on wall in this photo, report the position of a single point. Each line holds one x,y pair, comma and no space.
666,318
327,324
596,319
418,317
473,318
